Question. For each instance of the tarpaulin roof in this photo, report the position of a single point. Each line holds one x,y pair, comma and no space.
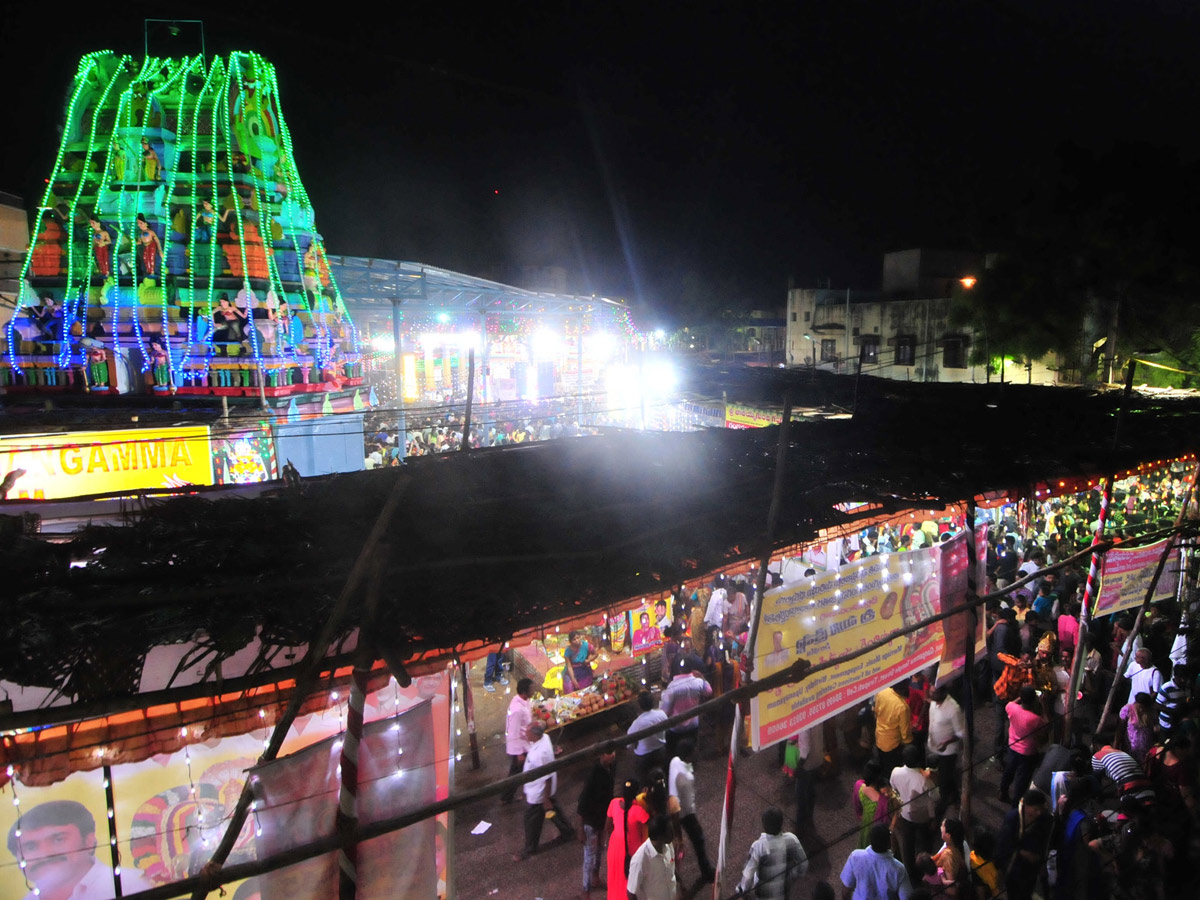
493,541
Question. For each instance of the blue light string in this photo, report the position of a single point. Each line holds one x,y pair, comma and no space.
82,71
191,258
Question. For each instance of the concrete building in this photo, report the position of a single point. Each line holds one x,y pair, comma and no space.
902,331
14,243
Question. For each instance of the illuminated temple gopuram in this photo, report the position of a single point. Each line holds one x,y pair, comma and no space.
175,250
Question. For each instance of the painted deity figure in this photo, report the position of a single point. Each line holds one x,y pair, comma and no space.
312,281
149,247
101,247
230,324
151,166
208,220
116,155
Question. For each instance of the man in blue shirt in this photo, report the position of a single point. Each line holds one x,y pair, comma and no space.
874,873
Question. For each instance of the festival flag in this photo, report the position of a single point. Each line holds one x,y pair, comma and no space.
730,794
296,800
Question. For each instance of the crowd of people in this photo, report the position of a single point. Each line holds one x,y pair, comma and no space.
431,434
632,832
1103,809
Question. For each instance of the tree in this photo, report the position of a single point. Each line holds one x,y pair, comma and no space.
1106,259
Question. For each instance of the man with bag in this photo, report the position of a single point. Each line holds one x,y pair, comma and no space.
539,794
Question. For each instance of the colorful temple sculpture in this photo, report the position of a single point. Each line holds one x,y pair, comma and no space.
175,250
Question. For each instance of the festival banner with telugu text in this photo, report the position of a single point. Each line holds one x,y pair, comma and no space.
1126,576
832,614
751,417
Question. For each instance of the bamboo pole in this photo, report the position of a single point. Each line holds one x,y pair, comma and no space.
972,616
347,809
469,708
1089,593
465,444
739,711
311,668
772,519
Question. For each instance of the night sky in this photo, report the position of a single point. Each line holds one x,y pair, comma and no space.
683,156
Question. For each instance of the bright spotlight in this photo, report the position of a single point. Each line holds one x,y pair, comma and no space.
546,345
601,345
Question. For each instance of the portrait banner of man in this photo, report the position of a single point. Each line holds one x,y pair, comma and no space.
58,853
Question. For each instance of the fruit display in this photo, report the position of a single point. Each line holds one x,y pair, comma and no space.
609,691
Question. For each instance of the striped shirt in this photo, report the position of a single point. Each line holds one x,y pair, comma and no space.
776,861
1124,771
1170,699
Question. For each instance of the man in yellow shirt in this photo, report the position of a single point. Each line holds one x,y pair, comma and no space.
893,725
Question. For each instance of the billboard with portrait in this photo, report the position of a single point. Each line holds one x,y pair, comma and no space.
169,812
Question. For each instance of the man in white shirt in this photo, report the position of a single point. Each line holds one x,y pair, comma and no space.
652,866
649,750
1143,677
540,802
810,756
718,609
516,727
914,786
779,657
947,728
681,784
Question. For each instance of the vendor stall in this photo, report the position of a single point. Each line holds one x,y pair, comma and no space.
589,669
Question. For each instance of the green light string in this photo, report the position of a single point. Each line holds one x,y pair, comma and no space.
86,64
286,134
115,296
142,78
275,279
79,303
288,222
221,72
296,190
266,218
195,210
184,70
173,71
235,70
136,318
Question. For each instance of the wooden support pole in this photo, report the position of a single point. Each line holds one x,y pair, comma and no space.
972,617
466,433
311,668
469,709
740,710
1089,592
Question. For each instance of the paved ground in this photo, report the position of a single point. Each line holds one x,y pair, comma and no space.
484,866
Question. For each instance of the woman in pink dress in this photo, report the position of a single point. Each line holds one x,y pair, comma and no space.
627,819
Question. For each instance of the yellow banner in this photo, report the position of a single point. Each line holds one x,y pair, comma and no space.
820,618
749,417
97,462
